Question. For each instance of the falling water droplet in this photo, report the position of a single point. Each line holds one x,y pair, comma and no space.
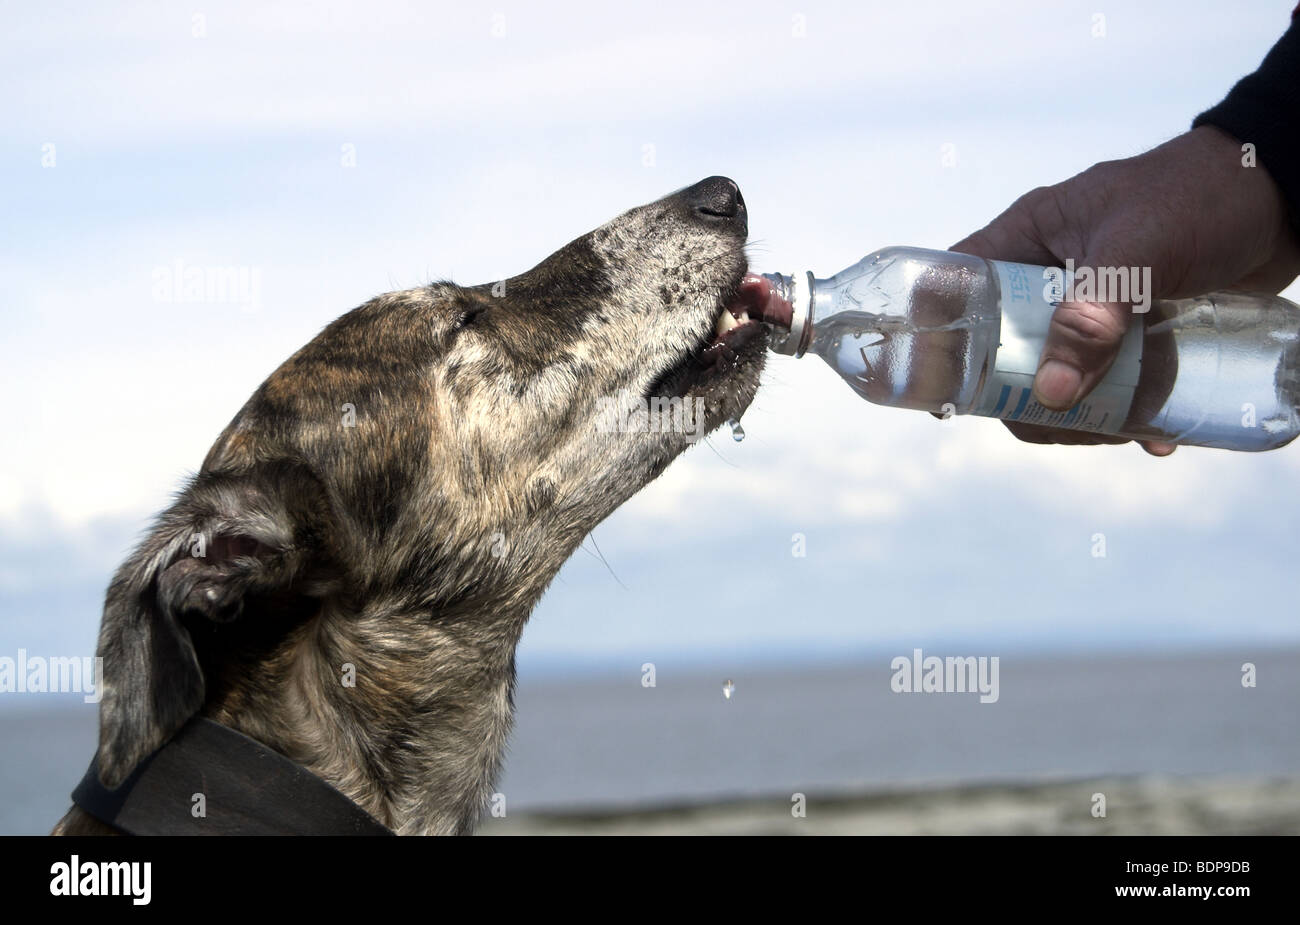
737,432
728,688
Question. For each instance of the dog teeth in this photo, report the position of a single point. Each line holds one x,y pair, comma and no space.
727,321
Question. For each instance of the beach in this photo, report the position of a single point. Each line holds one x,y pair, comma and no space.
1135,806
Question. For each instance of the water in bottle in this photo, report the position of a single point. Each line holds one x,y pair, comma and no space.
955,334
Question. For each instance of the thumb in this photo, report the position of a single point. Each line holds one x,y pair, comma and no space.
1083,340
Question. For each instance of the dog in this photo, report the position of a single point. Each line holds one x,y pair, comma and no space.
395,498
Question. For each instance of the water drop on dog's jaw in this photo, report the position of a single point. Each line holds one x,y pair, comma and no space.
728,688
737,434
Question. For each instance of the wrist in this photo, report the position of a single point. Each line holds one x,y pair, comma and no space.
1244,185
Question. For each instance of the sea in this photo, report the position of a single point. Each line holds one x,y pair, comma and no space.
638,739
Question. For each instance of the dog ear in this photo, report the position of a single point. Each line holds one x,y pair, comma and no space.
227,540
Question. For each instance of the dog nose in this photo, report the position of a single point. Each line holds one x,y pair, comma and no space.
716,199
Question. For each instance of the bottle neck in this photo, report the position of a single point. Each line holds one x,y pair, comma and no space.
799,290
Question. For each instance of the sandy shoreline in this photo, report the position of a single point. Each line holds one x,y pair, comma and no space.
1134,806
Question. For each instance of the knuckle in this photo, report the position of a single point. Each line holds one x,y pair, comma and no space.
1033,200
1087,324
1054,207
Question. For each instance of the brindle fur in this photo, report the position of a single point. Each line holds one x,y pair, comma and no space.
414,544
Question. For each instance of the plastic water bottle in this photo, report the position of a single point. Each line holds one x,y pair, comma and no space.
954,334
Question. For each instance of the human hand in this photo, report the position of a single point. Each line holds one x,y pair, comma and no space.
1188,209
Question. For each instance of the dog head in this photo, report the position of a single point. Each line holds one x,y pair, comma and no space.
398,494
584,377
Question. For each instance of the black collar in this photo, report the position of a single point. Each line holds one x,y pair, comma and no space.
247,789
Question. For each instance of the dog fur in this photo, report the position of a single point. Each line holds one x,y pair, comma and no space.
398,495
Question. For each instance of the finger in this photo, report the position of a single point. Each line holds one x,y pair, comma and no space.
1031,433
1156,448
1083,340
1275,275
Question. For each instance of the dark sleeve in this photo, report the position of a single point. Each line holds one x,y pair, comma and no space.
1263,109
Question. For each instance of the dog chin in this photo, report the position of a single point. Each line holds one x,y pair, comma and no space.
726,373
721,373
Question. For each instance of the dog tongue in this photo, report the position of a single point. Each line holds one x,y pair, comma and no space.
756,296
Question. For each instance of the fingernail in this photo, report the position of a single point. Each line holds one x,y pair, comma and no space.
1057,384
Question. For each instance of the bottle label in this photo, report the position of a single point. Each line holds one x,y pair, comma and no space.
1028,295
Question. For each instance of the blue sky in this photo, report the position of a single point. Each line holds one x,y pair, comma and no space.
487,136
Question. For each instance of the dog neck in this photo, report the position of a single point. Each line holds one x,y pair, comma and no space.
404,712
